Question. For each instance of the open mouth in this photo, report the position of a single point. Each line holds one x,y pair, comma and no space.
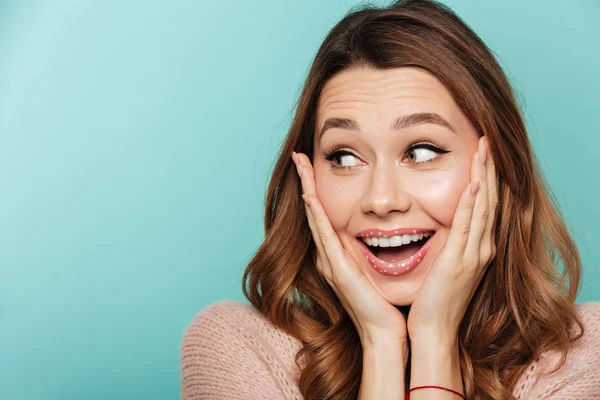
396,248
397,255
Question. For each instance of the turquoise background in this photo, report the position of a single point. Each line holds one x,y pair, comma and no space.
137,138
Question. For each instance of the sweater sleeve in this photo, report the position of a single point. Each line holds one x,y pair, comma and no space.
221,357
579,378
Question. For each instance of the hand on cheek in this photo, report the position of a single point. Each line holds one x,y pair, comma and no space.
442,299
374,318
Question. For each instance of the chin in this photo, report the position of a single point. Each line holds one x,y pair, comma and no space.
401,292
400,301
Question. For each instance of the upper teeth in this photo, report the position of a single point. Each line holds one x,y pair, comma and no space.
395,241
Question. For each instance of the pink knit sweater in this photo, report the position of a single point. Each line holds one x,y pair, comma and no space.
230,351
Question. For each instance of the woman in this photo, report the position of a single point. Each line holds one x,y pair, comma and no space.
423,253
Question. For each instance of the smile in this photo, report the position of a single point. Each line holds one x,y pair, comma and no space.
395,252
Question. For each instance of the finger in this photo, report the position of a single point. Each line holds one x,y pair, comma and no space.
307,178
488,248
481,209
492,200
326,232
334,249
461,222
326,240
325,267
323,229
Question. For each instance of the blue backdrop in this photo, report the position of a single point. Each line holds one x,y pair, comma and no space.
137,139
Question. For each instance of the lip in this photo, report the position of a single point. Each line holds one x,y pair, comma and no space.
391,232
398,268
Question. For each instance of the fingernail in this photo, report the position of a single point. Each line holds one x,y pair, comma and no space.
474,187
306,199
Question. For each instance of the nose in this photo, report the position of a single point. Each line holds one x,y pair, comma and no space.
386,192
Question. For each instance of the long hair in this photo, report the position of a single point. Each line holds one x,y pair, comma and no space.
523,306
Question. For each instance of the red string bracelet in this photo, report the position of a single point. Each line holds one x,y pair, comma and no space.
407,396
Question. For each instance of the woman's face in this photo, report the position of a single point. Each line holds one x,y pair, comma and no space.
383,181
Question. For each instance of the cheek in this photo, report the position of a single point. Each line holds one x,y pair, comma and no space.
338,197
439,193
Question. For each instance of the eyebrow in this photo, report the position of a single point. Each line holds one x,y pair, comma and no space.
399,123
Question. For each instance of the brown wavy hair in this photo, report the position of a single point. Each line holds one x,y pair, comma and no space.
523,306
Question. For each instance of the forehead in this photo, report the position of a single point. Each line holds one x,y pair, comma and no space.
368,93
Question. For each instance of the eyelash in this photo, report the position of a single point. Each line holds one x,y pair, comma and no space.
333,154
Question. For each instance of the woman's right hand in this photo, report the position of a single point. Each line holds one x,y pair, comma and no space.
373,316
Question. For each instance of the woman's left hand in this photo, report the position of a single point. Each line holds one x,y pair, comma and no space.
440,304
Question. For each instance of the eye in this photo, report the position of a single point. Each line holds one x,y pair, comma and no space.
424,153
419,153
335,156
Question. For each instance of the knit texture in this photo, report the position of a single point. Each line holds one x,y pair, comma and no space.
230,351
